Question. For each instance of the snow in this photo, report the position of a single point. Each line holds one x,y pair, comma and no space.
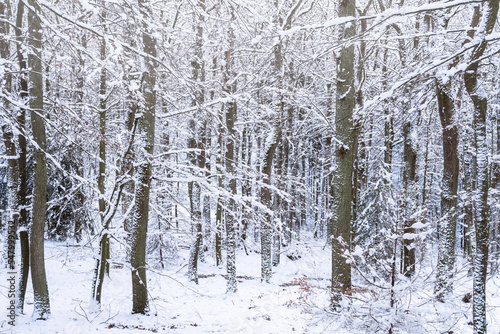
87,6
177,305
358,251
418,225
297,297
295,301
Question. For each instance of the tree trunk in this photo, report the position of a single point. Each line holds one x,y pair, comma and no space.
127,168
341,189
469,186
361,162
102,265
246,184
79,223
495,186
10,151
101,181
231,107
218,231
481,220
219,214
278,204
37,259
449,187
266,234
204,163
267,225
139,231
23,177
409,181
231,205
195,205
12,196
194,144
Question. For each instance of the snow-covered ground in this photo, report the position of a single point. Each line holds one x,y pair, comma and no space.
294,302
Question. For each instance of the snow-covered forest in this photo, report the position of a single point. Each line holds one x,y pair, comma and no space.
234,166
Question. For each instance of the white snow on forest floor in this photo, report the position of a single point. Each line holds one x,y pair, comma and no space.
295,301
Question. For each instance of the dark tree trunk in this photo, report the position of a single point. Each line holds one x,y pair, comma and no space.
102,147
231,204
10,150
23,177
448,222
195,143
140,303
37,258
341,189
102,265
409,180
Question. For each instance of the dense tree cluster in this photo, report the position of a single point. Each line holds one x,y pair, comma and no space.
371,124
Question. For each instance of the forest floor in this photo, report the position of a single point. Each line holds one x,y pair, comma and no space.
295,301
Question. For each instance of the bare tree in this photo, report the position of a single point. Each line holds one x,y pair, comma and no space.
196,144
37,258
102,265
341,189
144,168
229,87
23,187
482,219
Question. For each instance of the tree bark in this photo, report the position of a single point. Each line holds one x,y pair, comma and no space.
196,145
10,149
23,177
341,189
101,181
449,187
102,265
219,214
231,108
140,303
12,196
469,185
41,309
409,180
481,220
495,188
266,234
231,204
